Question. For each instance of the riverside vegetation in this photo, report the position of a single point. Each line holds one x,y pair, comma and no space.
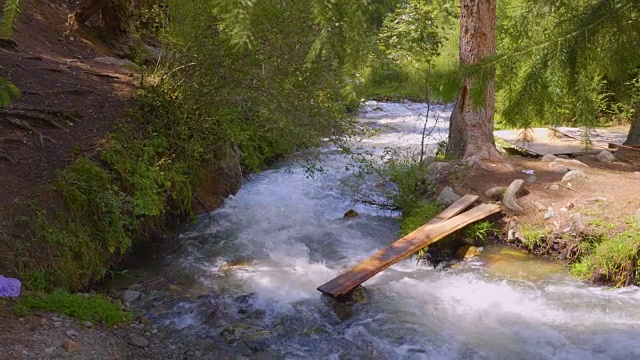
232,86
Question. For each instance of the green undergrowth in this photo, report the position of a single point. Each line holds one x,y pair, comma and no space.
611,259
85,307
532,236
143,173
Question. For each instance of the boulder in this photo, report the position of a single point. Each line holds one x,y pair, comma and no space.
114,61
605,156
129,296
222,178
71,346
548,158
571,164
350,214
447,196
495,192
467,251
574,175
138,341
560,169
436,168
510,195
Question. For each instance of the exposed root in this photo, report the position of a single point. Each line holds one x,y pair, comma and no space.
4,155
11,139
25,115
26,126
108,76
72,91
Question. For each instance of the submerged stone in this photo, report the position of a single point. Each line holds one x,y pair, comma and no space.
467,251
351,214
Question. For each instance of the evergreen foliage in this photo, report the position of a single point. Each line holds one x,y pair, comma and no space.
10,13
557,60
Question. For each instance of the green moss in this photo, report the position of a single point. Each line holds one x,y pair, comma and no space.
94,308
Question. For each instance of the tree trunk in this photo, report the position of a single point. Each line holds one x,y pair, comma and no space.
633,138
471,128
87,12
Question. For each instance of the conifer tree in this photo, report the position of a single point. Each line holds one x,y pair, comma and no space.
559,57
471,127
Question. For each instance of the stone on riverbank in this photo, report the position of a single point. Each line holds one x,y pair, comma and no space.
510,196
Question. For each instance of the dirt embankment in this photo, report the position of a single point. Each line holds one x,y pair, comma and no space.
69,102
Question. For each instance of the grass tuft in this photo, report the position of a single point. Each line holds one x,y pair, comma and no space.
94,308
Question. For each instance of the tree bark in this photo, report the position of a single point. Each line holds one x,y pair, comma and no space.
471,128
87,12
633,138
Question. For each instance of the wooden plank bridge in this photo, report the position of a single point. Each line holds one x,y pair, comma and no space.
447,222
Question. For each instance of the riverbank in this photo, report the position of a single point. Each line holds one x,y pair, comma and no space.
584,211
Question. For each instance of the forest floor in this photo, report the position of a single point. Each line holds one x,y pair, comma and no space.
71,99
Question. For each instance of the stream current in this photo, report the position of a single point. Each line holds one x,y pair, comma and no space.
253,268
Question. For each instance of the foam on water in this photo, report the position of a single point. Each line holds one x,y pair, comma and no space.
290,228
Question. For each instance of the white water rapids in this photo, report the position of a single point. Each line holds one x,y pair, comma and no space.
289,232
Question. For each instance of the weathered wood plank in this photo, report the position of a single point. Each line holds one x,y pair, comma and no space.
454,209
421,237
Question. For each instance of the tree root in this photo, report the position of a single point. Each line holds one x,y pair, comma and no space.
25,115
108,76
72,91
26,126
4,155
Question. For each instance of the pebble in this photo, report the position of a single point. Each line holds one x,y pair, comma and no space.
129,296
57,324
637,216
554,187
495,192
548,158
577,175
549,214
88,324
531,179
447,196
561,169
71,346
138,341
72,334
605,156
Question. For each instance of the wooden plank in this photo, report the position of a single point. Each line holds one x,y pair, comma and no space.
418,239
454,209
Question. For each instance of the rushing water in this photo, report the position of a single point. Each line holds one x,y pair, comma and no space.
254,266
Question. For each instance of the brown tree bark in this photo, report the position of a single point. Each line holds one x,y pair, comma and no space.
633,138
87,12
471,128
113,15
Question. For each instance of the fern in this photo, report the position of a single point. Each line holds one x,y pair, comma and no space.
9,16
